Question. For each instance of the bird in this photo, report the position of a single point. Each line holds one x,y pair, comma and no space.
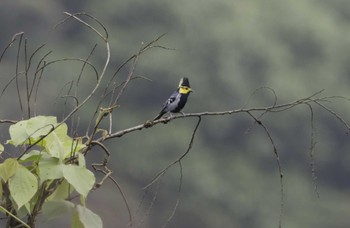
177,100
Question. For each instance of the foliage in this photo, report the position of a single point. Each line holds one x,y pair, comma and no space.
43,179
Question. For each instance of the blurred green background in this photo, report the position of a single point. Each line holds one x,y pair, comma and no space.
227,49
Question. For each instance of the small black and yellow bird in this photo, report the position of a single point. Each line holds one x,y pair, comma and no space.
177,100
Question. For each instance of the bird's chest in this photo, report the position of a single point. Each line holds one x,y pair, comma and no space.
177,103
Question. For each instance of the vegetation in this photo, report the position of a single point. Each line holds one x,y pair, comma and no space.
279,68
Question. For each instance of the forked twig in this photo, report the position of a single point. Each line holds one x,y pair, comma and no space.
162,172
278,164
120,190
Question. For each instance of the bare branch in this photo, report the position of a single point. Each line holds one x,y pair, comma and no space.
104,37
178,197
274,108
162,172
17,72
278,164
121,192
312,150
346,125
257,90
133,57
69,59
103,72
8,121
14,37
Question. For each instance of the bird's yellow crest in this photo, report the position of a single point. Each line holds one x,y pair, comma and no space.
181,81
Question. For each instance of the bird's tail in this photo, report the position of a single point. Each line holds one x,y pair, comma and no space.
159,115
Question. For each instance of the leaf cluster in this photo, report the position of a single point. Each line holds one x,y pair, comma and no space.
44,178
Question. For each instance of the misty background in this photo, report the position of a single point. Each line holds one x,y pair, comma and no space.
227,49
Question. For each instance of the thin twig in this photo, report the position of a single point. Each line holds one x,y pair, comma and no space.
141,51
312,150
101,75
178,198
162,172
17,72
14,37
346,125
278,164
8,121
121,192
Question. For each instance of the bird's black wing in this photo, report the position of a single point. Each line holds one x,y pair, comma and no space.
170,100
166,105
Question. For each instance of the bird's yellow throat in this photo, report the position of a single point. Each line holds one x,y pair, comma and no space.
184,90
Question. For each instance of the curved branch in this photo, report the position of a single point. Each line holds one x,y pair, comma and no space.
103,72
278,164
121,192
69,59
162,172
14,37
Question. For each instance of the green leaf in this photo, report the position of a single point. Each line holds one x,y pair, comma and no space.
2,209
88,218
29,131
23,185
76,223
83,200
56,142
50,168
62,192
40,125
81,160
1,148
33,155
24,210
80,178
18,133
54,209
8,168
1,190
60,145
